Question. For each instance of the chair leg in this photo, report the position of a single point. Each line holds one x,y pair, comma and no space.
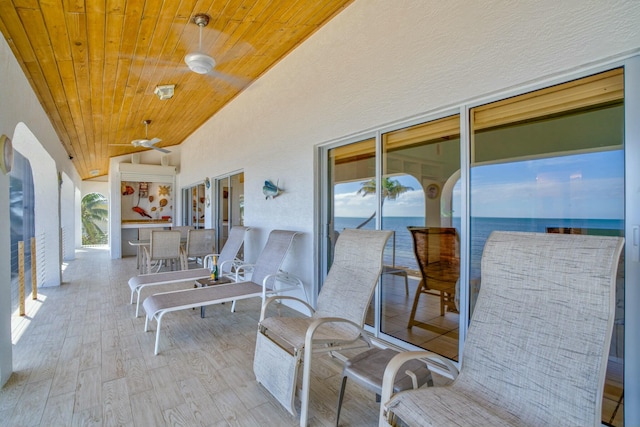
138,302
442,298
415,304
406,283
306,381
340,397
155,351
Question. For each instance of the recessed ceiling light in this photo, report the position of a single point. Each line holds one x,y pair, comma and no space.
164,91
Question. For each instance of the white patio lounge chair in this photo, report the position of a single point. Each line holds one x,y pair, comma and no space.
266,279
227,260
537,345
284,342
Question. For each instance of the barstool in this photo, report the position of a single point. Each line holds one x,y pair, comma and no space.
367,369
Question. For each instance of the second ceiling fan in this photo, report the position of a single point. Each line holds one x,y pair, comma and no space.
146,142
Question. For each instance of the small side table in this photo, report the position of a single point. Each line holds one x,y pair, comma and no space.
367,369
202,283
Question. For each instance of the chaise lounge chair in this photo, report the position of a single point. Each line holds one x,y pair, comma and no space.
335,324
266,279
538,342
227,263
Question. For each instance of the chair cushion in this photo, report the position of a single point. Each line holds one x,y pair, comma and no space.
292,330
443,406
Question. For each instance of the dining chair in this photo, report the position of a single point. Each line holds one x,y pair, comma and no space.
144,234
163,246
183,229
200,243
436,251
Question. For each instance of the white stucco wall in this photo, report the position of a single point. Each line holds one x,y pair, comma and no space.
379,62
20,107
68,217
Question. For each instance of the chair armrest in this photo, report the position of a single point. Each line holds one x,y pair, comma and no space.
283,276
208,259
245,267
269,300
316,324
224,265
394,366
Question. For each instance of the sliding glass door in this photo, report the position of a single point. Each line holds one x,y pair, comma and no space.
420,166
552,161
229,204
548,161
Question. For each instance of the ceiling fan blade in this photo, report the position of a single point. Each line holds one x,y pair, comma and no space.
159,149
153,141
238,82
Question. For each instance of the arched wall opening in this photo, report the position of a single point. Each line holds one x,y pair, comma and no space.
46,182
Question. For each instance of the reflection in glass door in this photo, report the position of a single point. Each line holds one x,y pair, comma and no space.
419,284
549,161
229,206
552,161
420,167
193,206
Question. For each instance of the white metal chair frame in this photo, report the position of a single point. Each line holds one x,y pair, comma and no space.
336,324
163,246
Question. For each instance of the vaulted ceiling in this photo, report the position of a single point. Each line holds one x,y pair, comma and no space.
94,65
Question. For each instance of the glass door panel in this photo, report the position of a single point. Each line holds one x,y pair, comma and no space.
229,205
418,295
557,168
350,167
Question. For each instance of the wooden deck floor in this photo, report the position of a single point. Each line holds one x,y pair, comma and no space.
82,359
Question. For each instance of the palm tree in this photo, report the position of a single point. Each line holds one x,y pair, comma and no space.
391,189
93,210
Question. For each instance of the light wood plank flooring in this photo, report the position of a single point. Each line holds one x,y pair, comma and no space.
82,359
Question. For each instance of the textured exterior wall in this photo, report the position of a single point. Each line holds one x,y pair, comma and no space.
379,62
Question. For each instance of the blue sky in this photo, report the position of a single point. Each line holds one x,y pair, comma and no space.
577,186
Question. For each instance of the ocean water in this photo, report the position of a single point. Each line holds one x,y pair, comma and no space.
480,228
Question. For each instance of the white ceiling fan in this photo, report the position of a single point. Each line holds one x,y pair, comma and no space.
146,142
201,63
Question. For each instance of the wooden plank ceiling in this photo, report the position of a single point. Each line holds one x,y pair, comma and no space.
94,64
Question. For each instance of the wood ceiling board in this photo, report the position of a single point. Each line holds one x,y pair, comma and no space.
94,65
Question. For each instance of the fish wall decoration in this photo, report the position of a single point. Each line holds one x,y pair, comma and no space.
271,190
141,211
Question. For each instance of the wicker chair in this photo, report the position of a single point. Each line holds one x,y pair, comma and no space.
335,324
537,345
436,251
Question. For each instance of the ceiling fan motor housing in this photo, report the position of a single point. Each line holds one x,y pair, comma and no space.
200,63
